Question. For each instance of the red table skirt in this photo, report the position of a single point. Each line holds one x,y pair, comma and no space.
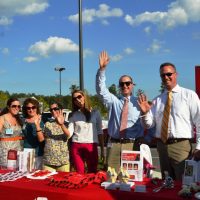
28,189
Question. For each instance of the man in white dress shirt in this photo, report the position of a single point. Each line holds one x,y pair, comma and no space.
184,115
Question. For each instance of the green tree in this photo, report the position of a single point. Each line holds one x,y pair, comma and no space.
73,87
162,88
113,89
4,96
139,91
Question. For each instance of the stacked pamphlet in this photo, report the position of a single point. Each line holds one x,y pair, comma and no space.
27,160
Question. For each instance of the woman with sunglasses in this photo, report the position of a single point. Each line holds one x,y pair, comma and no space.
33,125
56,135
10,130
87,133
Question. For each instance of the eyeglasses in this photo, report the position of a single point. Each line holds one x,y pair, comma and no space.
15,106
127,83
32,107
54,109
166,74
78,97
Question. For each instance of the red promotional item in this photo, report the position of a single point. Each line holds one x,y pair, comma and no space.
12,160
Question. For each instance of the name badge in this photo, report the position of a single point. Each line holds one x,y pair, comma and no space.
9,131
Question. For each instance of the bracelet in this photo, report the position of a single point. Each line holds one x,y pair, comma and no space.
38,130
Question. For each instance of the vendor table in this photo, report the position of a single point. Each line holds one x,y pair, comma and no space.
28,189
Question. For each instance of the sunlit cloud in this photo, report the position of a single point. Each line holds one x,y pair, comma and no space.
9,9
116,57
5,51
90,15
180,12
30,59
53,45
147,30
129,51
87,52
155,46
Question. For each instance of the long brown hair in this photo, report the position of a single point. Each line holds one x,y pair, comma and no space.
6,110
87,105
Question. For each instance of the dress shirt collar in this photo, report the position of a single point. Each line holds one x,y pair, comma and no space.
176,89
122,97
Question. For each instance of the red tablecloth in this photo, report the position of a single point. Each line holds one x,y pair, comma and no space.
28,189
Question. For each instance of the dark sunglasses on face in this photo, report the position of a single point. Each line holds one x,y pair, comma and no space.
32,107
15,106
78,97
54,109
127,83
166,74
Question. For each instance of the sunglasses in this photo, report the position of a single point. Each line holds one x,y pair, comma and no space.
32,107
54,109
78,97
127,83
15,106
166,74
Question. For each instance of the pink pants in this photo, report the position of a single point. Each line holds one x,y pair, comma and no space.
84,152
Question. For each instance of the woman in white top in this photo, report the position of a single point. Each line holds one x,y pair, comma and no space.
86,125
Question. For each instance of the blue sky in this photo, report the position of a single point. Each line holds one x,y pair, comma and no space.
38,35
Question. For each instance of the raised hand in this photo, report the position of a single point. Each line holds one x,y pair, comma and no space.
37,120
60,118
143,103
103,60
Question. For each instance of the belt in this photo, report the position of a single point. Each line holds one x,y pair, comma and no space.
12,138
122,140
174,140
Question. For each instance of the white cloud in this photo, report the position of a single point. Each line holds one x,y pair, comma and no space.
87,52
30,59
155,46
105,22
5,21
116,58
11,8
179,12
90,15
147,30
129,51
5,51
53,45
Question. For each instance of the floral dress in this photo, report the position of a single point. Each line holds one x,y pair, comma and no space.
56,145
7,145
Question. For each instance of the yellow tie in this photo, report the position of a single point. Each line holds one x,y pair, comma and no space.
124,118
165,120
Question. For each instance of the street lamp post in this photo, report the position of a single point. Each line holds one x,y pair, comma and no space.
59,69
80,47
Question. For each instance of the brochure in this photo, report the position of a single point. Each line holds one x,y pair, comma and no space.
132,161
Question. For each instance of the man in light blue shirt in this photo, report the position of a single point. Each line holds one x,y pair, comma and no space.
134,130
184,115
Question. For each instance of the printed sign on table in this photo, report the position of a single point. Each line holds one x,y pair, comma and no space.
132,161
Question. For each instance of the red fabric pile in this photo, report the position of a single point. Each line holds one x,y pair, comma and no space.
74,180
